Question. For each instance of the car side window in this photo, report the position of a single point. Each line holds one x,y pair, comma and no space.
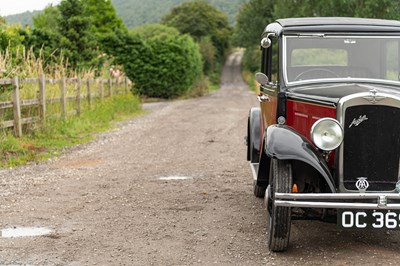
392,60
275,61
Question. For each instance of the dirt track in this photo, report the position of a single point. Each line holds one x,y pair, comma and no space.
107,205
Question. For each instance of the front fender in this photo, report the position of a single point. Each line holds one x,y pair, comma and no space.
283,143
253,149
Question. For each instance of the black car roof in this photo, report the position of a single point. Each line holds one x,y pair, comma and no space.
332,24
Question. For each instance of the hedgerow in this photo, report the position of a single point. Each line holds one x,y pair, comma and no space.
162,67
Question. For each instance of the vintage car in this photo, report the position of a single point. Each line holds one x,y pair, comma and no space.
325,140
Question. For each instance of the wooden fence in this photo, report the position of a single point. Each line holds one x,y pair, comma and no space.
85,90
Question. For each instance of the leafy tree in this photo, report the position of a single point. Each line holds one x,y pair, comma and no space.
103,15
43,43
208,52
385,9
151,31
47,20
256,14
251,21
200,19
77,41
12,36
3,22
45,36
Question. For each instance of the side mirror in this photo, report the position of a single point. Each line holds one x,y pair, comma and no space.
266,42
262,79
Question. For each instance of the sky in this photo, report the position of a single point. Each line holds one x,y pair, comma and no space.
11,7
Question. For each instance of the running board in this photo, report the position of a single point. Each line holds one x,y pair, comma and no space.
254,170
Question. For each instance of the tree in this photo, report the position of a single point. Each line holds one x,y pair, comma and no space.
77,41
251,21
151,31
384,9
47,20
200,19
103,15
45,36
255,15
3,22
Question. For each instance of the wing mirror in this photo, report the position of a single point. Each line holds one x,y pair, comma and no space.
262,79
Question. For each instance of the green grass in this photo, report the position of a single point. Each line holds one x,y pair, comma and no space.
250,79
39,144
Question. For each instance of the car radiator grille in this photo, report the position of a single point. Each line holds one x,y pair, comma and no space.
371,146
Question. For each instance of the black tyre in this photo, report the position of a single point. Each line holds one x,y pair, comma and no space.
253,136
278,218
259,191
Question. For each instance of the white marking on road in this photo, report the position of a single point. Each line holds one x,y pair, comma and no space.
175,178
25,232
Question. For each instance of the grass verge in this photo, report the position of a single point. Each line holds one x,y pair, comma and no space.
40,144
250,79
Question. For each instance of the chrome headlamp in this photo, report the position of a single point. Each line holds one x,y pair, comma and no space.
327,134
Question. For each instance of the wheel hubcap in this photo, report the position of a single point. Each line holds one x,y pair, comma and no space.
267,197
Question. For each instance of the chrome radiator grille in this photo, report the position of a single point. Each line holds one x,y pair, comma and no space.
371,146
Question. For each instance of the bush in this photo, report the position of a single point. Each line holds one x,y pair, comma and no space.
208,52
151,31
251,59
164,67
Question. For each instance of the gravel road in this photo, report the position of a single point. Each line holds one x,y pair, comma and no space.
169,188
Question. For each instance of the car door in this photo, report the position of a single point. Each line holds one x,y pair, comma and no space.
268,96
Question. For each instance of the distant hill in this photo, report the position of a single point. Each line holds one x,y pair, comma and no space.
23,18
138,12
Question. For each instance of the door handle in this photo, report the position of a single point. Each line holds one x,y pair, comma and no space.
262,98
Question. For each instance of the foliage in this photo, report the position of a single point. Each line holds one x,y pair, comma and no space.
251,22
77,40
386,9
23,19
151,31
252,59
160,67
44,143
200,20
252,19
45,37
208,52
135,13
256,14
47,20
103,15
11,35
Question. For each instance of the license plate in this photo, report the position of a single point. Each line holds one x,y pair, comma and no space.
368,219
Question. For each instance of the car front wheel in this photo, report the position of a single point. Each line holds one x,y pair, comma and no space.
278,218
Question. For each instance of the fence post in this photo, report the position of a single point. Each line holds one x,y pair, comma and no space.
63,98
101,86
110,87
89,95
17,108
126,85
78,97
42,99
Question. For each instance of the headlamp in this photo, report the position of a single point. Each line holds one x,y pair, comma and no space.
327,134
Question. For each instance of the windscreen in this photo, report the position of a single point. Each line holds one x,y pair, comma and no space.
309,58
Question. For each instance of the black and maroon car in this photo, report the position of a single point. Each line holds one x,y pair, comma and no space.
325,140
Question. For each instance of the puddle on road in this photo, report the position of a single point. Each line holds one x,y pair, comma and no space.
25,232
175,178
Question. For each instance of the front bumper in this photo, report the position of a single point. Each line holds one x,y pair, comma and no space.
385,201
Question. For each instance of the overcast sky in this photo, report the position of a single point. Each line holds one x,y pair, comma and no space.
10,7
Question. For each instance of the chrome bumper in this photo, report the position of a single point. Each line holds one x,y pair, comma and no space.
335,200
